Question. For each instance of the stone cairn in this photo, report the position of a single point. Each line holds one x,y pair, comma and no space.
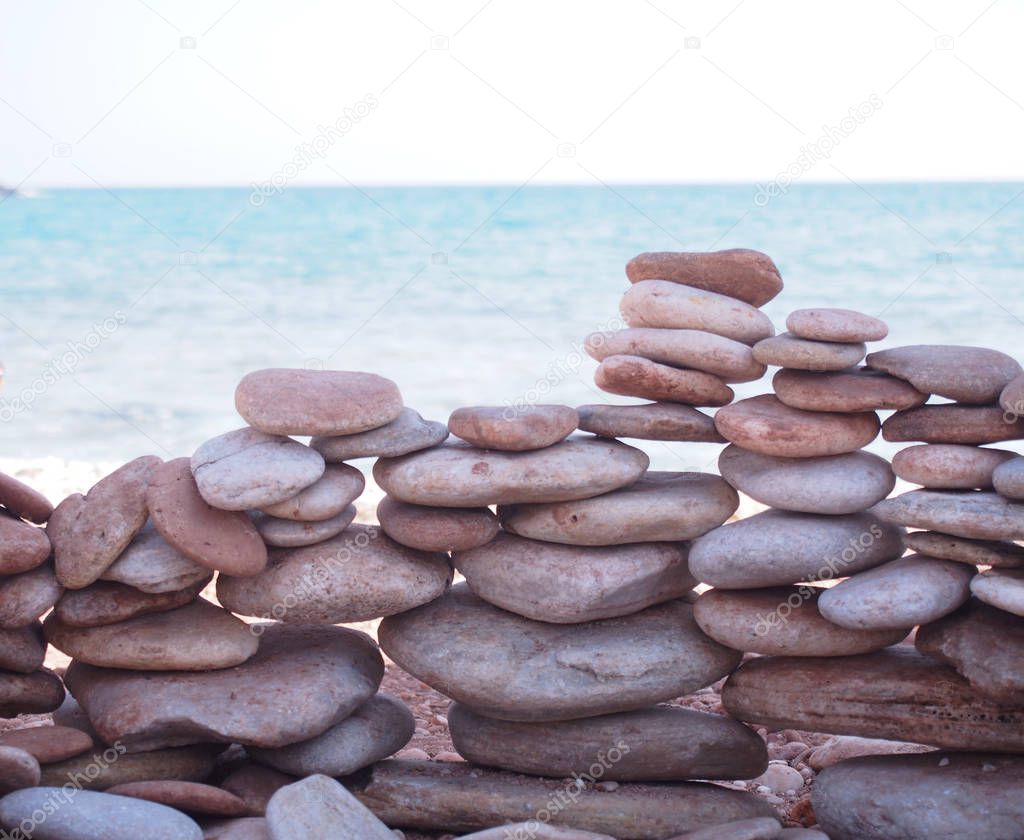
578,615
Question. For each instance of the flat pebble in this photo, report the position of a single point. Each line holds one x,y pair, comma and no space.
29,694
997,553
741,273
1008,478
435,528
22,650
108,603
1001,588
48,744
975,375
789,351
22,546
513,428
191,797
842,747
408,432
18,769
652,421
825,324
340,485
151,564
26,597
949,466
24,501
289,533
953,423
977,515
633,376
846,391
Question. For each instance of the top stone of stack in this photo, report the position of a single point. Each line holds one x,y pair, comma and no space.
740,273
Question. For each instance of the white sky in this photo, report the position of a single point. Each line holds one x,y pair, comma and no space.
614,78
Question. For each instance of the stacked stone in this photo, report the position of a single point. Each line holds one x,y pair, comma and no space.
574,620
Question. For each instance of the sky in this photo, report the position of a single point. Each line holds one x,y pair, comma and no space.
121,93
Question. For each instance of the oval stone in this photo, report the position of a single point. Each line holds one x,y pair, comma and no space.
538,831
218,539
512,668
653,421
832,484
108,603
974,375
408,432
661,303
933,796
782,621
377,729
741,273
320,807
1008,478
1002,588
513,428
907,592
89,815
977,515
22,546
243,828
463,476
953,424
764,424
359,575
777,548
340,485
825,324
657,744
731,361
247,468
436,529
564,584
22,650
295,401
845,391
18,769
190,797
198,637
102,768
789,351
760,828
150,564
997,553
25,597
320,675
289,533
633,376
29,694
949,466
48,744
1011,399
24,501
660,506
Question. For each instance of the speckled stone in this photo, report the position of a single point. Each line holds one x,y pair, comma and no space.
997,553
434,528
953,423
741,273
108,603
651,421
949,466
633,376
845,391
826,324
790,351
977,515
974,375
513,428
408,432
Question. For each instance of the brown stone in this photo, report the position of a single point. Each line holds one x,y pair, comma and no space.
340,485
949,466
255,785
245,828
18,769
1011,400
513,428
22,546
89,532
222,540
48,743
760,828
29,694
190,797
23,501
151,564
976,515
105,767
764,424
996,553
969,424
436,529
633,376
845,391
789,351
741,273
824,324
291,401
109,603
651,421
22,650
25,597
973,375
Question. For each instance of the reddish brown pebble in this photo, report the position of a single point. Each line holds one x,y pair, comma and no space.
190,797
48,743
18,770
436,529
857,389
22,546
741,273
650,421
513,428
25,597
22,650
974,375
827,324
953,424
109,603
23,501
255,784
633,376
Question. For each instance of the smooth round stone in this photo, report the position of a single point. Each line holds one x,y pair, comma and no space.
729,360
222,540
408,432
359,575
660,506
953,424
661,303
463,476
48,744
934,796
997,553
89,532
741,273
984,644
306,680
764,424
831,484
1001,588
26,597
377,729
245,828
760,828
777,548
534,831
150,564
18,770
788,351
22,650
1008,478
664,743
653,421
190,797
197,637
844,325
633,376
24,501
293,401
436,529
513,428
1011,400
949,466
88,815
22,546
513,668
844,391
907,592
247,468
567,584
340,485
29,694
974,375
896,694
103,768
288,533
108,603
782,621
976,515
320,807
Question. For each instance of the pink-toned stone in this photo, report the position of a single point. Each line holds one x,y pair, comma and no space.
827,324
191,797
29,694
513,428
789,351
108,603
1011,399
741,273
25,597
953,423
633,376
48,743
24,501
22,546
22,650
847,391
436,529
18,770
995,553
948,466
650,421
973,375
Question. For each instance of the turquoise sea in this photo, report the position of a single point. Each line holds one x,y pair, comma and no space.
127,316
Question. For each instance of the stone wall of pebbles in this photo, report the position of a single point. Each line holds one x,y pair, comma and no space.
212,693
